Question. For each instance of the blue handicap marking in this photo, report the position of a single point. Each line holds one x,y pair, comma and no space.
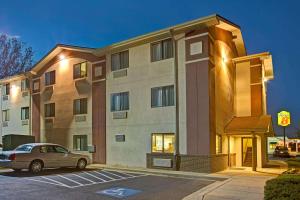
119,192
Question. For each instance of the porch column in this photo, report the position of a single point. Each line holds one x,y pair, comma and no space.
254,152
229,158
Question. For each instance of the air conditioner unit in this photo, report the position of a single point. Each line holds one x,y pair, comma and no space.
119,115
25,94
80,118
5,97
5,124
120,73
25,122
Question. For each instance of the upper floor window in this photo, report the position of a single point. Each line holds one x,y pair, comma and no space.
80,106
162,96
24,113
24,84
50,110
50,78
80,70
120,101
5,115
119,60
6,89
162,50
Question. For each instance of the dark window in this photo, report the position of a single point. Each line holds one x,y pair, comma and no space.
5,115
50,110
80,143
24,84
24,113
80,106
162,50
59,149
162,96
80,70
163,142
119,60
50,78
6,89
120,101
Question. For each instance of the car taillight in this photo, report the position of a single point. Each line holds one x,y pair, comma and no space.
12,157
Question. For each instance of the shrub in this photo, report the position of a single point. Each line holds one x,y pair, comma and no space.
284,187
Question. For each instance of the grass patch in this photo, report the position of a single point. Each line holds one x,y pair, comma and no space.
283,187
293,163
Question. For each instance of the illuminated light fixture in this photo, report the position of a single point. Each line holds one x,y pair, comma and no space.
61,57
224,59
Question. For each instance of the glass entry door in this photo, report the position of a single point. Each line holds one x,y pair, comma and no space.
247,152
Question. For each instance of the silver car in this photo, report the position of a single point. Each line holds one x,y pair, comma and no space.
37,156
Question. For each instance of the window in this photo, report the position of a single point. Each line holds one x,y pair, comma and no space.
163,142
120,101
5,115
162,96
6,89
59,149
218,144
50,110
162,50
80,70
272,145
80,143
24,84
47,149
24,113
50,78
80,106
119,60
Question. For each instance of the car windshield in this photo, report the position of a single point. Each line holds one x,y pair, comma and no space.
25,147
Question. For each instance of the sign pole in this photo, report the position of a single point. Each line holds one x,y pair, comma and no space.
284,136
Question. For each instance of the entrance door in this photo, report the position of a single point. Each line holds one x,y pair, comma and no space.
247,152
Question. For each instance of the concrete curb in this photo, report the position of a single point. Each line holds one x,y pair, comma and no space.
200,194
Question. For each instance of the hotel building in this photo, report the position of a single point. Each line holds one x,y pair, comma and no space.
187,97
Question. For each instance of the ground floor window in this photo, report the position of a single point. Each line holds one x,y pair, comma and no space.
163,142
272,145
80,143
218,144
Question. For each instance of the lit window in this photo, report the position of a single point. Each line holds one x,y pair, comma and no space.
163,142
5,115
50,78
218,144
80,70
272,145
119,60
80,106
80,143
24,113
120,101
162,50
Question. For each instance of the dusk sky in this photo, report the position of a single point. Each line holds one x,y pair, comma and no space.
266,26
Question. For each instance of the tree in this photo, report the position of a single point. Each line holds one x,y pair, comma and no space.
15,56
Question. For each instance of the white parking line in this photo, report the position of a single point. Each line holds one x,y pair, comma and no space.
81,181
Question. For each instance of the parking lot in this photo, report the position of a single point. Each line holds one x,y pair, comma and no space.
96,184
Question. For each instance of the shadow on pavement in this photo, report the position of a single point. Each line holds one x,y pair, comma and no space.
45,172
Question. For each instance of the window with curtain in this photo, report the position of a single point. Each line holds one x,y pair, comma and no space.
120,101
80,70
163,142
80,106
24,84
80,143
24,113
6,89
162,96
120,60
5,115
50,110
162,50
50,78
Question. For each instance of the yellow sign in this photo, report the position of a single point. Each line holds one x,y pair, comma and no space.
284,118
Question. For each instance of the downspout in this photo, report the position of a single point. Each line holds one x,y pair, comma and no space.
175,53
30,111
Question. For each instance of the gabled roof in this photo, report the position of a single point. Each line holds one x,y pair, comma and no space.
55,51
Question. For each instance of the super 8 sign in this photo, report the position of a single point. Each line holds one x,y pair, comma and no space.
284,118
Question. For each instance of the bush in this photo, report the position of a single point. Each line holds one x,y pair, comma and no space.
284,187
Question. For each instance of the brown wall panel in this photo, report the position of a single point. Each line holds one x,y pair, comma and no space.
256,74
256,100
99,123
36,117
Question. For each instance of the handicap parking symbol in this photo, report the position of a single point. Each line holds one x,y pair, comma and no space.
119,192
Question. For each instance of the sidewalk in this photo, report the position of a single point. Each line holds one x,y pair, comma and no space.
242,184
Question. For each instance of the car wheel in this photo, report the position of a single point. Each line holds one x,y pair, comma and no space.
36,166
81,164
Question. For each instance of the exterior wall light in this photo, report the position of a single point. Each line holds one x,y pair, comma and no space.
61,57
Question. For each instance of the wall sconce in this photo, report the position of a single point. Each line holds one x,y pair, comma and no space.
61,57
224,59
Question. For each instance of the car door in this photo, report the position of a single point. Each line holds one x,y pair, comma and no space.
64,158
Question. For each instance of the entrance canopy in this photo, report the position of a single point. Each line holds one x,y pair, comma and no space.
249,125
